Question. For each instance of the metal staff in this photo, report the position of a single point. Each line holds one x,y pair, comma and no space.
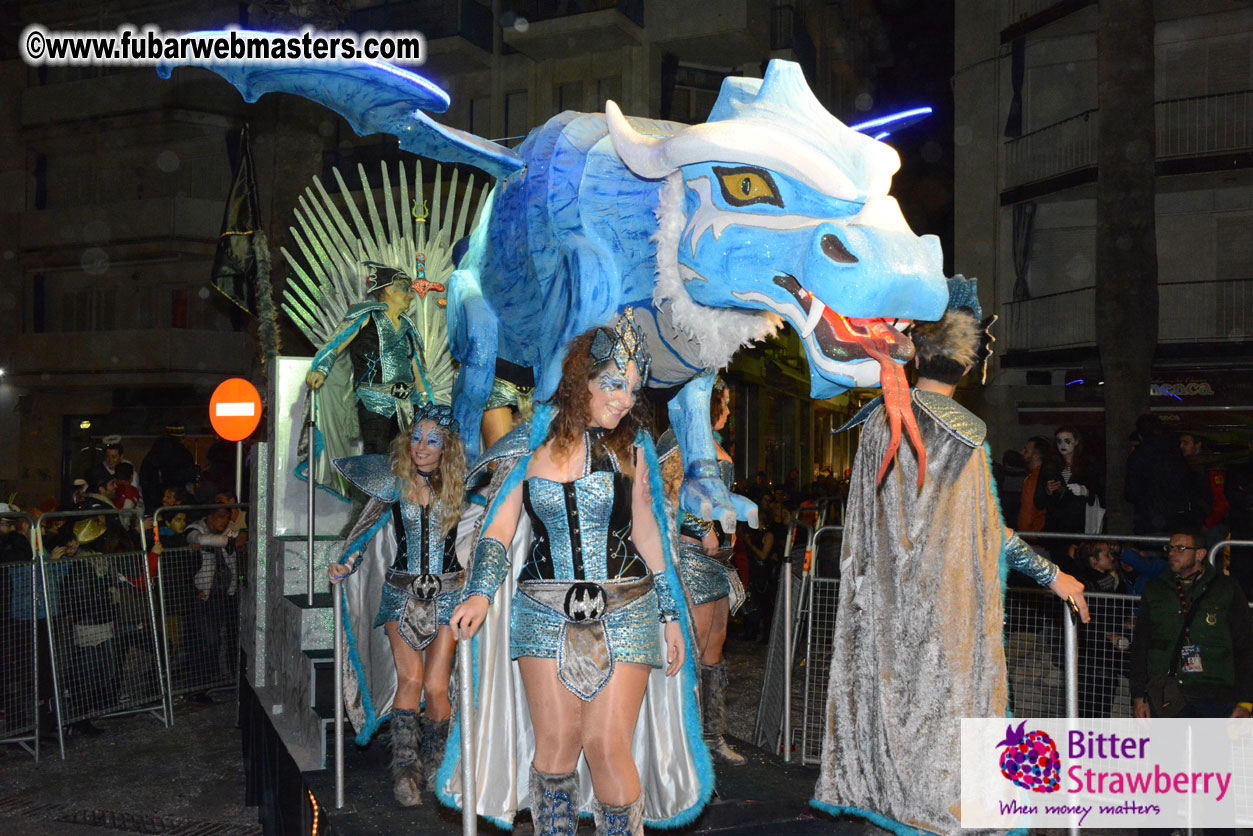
465,698
311,429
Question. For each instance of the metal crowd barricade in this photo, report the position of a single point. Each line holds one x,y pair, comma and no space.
200,651
89,629
791,643
1056,667
19,634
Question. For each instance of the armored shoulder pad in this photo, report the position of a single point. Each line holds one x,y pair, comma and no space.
960,422
514,443
861,416
371,473
362,308
667,445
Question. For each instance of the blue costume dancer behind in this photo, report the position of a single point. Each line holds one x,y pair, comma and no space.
405,539
712,584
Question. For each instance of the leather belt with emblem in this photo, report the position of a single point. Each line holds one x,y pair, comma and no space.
584,657
400,391
418,621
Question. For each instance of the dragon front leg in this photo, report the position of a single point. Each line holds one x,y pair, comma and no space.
473,329
703,493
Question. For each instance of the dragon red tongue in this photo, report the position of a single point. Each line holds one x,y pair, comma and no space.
875,341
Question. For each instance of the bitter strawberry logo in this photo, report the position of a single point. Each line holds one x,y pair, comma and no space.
1030,759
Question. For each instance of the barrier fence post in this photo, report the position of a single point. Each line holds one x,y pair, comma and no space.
337,599
786,571
311,430
1070,642
1219,546
52,650
465,698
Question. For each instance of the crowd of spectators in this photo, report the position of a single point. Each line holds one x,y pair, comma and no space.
98,571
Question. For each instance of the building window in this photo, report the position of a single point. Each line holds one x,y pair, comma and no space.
568,96
606,89
517,116
695,91
481,115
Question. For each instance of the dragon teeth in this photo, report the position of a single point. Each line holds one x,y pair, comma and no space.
816,309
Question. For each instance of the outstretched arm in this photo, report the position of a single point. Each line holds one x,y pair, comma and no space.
703,493
325,359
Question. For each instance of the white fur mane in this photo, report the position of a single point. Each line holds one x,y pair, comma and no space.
716,333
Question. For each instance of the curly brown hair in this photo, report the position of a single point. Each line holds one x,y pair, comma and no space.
448,484
571,401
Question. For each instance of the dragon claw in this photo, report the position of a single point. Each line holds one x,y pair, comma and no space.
709,499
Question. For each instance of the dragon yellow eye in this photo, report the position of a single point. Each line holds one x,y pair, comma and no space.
747,185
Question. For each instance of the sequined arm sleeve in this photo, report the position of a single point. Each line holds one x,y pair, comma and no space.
325,359
1024,559
487,569
666,605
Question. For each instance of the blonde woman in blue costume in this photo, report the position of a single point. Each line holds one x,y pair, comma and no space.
405,539
594,625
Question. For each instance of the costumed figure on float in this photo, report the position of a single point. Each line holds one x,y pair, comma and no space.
384,357
709,576
582,618
405,577
919,635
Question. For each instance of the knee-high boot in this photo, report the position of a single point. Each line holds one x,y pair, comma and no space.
713,692
627,820
406,740
554,803
434,739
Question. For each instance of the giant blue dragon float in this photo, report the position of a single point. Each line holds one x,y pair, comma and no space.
772,210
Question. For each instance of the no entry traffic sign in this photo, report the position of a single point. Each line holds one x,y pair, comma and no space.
235,409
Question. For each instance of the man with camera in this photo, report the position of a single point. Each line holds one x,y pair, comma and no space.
1192,653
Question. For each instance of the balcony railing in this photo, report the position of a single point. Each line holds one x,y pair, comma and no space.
1065,146
1204,125
536,10
1198,126
1202,311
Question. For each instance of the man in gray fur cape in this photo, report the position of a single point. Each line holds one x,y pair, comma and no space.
918,636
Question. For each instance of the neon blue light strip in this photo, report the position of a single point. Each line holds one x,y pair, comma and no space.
892,118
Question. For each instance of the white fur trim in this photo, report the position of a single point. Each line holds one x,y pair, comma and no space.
717,333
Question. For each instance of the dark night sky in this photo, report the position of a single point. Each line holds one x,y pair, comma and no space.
921,45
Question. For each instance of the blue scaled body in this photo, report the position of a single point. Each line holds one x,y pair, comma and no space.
772,211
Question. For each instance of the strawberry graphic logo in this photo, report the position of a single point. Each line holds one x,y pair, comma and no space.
1030,759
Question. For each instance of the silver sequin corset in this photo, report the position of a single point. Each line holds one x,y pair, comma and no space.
582,529
419,546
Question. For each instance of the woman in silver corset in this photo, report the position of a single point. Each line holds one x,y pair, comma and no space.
405,537
593,614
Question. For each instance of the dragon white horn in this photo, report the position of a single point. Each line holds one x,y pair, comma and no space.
644,155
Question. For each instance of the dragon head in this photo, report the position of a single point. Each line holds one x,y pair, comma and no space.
774,206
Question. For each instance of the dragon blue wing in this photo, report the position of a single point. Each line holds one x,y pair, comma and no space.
373,96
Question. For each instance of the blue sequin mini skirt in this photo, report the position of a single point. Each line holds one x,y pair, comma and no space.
704,579
633,631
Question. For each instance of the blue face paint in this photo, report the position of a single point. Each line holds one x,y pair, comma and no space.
612,383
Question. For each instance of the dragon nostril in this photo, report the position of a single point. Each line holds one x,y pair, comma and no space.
835,250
